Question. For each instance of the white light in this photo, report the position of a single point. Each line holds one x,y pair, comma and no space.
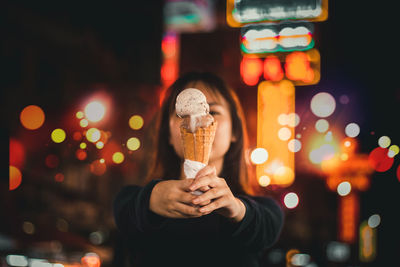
294,145
293,119
16,260
259,155
291,200
322,125
284,133
264,180
352,129
344,188
95,111
300,259
384,141
374,221
323,104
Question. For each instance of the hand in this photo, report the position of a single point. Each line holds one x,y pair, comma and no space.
173,199
219,195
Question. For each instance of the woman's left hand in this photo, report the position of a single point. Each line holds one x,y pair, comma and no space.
219,197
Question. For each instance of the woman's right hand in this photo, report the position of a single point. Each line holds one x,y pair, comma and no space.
173,199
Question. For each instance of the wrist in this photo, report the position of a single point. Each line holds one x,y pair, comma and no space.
241,211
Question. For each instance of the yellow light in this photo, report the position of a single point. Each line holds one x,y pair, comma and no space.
393,151
82,145
344,156
83,123
118,157
259,155
136,122
93,135
99,145
79,115
264,180
284,175
58,135
95,111
133,143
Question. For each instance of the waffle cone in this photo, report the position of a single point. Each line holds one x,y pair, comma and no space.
197,146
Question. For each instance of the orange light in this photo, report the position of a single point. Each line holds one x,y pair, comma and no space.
169,72
348,216
298,68
272,69
273,100
251,70
32,117
91,260
15,178
59,177
98,167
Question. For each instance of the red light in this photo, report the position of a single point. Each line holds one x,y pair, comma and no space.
251,70
52,161
379,159
17,153
398,172
272,69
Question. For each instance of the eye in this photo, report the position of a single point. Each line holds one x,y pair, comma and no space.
213,113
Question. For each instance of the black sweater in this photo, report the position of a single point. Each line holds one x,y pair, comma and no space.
210,240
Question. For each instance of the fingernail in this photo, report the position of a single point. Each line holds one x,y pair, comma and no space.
203,210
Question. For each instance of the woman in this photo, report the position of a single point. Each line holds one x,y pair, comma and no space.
166,225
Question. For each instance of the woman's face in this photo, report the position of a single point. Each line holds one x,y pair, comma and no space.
219,109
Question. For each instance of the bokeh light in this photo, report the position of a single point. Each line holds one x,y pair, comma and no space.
136,122
344,188
264,180
59,177
284,175
324,152
293,119
283,119
323,104
291,200
28,228
352,129
93,135
294,145
32,117
379,160
374,220
83,145
118,157
91,260
284,133
15,178
322,125
58,135
79,115
83,123
16,153
393,151
77,136
384,141
398,172
133,143
95,111
52,161
259,155
81,154
99,145
98,167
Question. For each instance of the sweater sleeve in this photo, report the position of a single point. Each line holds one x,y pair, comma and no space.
131,210
260,227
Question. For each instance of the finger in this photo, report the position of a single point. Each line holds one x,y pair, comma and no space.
214,205
209,180
207,170
209,195
185,184
187,210
186,198
204,203
204,188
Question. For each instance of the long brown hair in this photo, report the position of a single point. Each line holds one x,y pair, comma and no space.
236,168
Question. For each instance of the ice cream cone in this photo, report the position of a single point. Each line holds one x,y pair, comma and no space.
197,146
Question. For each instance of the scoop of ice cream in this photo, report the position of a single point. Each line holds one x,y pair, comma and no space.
191,102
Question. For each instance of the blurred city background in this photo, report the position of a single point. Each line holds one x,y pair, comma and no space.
81,84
